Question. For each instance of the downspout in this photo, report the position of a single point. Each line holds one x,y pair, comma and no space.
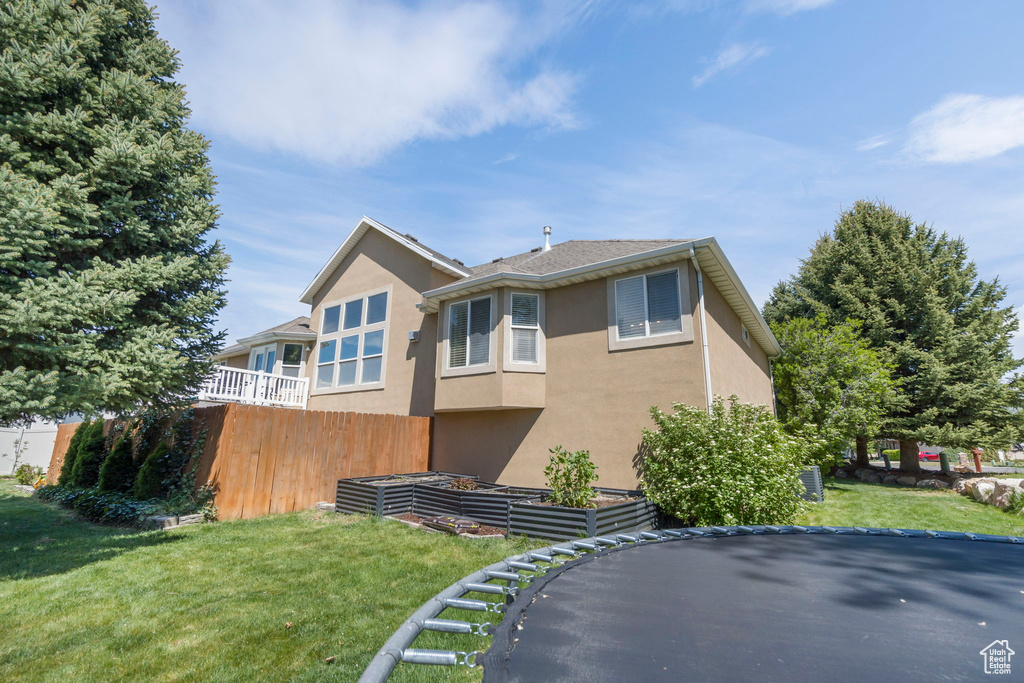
703,328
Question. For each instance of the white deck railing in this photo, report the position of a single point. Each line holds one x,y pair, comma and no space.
251,386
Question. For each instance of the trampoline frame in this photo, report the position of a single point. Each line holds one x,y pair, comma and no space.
507,574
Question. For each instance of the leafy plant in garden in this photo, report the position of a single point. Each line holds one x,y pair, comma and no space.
69,456
119,469
569,476
463,484
90,456
734,465
27,474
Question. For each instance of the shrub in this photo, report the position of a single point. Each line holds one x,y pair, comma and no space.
99,506
89,457
119,469
72,452
463,484
149,481
27,475
893,455
732,465
569,477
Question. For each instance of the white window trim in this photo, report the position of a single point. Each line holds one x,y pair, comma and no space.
685,334
513,366
314,357
492,360
261,350
302,358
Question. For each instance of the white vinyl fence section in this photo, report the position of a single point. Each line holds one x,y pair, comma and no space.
37,445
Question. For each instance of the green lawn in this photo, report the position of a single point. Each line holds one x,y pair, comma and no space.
854,503
80,602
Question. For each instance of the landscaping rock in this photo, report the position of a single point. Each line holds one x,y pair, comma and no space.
1003,491
190,519
890,479
873,478
842,474
932,484
960,485
982,491
861,473
322,505
906,481
24,488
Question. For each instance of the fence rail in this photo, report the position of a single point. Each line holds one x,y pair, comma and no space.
254,387
263,460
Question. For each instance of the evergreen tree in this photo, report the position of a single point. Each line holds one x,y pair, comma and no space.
119,469
149,481
89,458
927,313
829,384
108,285
69,456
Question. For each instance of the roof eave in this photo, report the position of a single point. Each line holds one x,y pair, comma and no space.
365,223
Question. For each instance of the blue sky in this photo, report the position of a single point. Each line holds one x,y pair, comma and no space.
473,124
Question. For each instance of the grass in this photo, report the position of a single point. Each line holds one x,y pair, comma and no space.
854,503
80,602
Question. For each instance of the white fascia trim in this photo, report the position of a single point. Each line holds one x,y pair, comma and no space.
365,223
265,337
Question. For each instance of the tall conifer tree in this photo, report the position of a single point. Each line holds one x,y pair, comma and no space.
925,310
108,283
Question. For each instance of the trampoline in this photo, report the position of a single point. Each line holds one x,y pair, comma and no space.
754,603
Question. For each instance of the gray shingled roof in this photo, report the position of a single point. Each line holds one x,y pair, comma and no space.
571,254
299,325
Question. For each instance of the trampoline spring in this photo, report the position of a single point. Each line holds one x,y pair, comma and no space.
473,605
831,529
933,534
605,541
432,657
801,529
525,566
746,529
861,530
970,536
585,545
541,556
650,536
774,529
563,551
628,538
504,576
676,534
453,626
720,530
895,532
492,588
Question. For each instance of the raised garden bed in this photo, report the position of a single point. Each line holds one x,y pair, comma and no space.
488,504
533,518
387,495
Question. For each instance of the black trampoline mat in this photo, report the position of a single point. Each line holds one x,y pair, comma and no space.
808,607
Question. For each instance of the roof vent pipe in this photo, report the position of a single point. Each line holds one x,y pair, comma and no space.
547,238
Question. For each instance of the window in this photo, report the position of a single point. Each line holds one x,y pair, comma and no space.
648,305
291,360
525,327
352,354
745,334
469,333
261,358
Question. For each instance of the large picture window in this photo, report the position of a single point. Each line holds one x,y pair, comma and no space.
352,339
469,333
648,305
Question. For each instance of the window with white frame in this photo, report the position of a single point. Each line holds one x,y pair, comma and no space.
291,360
525,325
648,305
352,341
469,333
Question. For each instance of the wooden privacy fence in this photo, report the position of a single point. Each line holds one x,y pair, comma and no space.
263,460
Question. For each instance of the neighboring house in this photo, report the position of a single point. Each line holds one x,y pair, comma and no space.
564,345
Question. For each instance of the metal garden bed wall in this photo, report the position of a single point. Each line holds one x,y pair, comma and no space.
390,495
562,523
488,504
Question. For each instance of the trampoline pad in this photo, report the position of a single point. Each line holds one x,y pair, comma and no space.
808,607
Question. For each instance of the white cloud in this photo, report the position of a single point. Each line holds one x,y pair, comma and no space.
785,7
730,58
350,82
872,143
967,128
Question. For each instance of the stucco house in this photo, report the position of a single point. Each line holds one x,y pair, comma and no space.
568,344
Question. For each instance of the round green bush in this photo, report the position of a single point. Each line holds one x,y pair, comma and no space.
149,482
90,456
119,469
734,465
69,457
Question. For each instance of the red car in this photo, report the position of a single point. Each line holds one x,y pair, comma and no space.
928,456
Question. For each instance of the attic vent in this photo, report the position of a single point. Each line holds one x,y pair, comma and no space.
536,249
497,259
411,237
458,261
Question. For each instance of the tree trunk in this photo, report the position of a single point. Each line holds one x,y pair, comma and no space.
862,451
908,456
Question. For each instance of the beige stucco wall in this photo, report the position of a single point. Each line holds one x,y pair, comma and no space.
377,261
736,367
240,361
595,399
